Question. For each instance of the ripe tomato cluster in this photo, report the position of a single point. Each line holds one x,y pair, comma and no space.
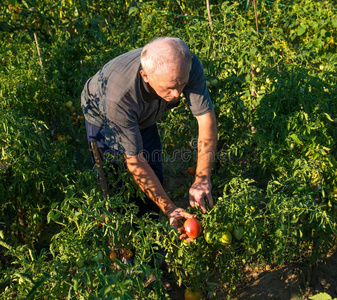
126,253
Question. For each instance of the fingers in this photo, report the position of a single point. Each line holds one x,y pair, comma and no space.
210,199
188,215
197,195
184,236
176,216
192,200
203,205
199,201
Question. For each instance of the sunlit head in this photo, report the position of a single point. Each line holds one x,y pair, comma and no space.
166,63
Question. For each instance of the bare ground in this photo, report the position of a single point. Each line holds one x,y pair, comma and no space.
287,282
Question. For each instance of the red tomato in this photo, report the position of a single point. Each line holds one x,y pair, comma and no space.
127,254
38,226
192,295
192,228
191,170
100,221
113,254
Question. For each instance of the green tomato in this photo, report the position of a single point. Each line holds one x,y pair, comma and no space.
214,82
68,104
278,233
238,232
184,243
229,227
226,238
208,237
98,257
80,262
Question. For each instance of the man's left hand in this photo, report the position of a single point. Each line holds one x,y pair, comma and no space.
198,192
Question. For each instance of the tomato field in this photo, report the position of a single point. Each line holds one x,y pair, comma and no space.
271,72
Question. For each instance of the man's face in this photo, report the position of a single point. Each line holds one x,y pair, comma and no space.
168,83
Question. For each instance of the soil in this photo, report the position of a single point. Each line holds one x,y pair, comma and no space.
285,282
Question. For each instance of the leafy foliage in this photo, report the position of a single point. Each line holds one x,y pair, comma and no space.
274,93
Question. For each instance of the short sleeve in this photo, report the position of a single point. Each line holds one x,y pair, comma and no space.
196,92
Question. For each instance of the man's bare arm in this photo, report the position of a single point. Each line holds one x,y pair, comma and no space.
207,140
149,183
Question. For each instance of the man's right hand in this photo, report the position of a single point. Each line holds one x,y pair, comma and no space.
175,217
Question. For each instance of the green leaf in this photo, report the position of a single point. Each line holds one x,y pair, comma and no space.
3,244
133,11
37,285
301,29
295,138
329,118
321,296
334,22
121,264
24,277
84,5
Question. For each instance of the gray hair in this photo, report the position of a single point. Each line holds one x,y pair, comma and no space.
152,58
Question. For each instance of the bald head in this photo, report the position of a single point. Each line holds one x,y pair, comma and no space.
165,53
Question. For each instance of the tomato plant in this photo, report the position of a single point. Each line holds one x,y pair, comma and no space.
214,82
98,257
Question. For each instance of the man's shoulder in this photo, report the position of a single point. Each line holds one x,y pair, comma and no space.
196,63
126,59
118,76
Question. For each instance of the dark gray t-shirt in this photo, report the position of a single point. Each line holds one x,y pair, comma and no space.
117,98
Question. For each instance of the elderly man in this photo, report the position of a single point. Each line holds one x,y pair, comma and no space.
125,99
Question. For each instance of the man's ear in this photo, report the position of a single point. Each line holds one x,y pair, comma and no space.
144,75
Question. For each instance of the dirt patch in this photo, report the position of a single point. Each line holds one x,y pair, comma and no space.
177,182
287,282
